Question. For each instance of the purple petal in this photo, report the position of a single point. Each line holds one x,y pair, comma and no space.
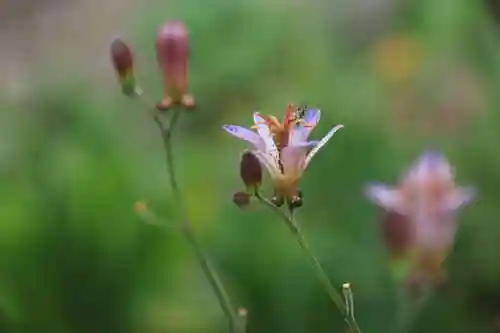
385,197
292,159
244,134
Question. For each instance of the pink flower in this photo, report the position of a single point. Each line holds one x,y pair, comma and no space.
427,200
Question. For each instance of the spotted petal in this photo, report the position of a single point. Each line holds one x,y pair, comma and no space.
292,158
320,144
301,131
265,134
245,134
270,162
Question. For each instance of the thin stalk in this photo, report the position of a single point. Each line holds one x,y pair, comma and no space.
207,267
408,310
315,265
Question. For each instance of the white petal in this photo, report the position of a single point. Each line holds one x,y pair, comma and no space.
321,143
245,134
292,158
265,134
270,163
301,131
306,144
459,198
431,165
386,197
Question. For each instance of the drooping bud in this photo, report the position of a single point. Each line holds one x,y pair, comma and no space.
250,171
278,200
172,51
123,63
241,199
295,202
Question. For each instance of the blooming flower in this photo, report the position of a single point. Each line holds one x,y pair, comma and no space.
429,199
172,50
287,165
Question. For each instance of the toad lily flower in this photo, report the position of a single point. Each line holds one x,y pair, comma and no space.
428,198
287,165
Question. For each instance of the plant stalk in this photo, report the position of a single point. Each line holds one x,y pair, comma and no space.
315,265
186,227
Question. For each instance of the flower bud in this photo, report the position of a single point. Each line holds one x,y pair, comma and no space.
278,200
241,199
172,51
250,171
123,63
295,202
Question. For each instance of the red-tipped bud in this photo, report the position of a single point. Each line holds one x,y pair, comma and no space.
250,171
241,199
172,51
123,63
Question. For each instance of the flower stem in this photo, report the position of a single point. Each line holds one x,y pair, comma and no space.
207,267
316,266
408,310
187,229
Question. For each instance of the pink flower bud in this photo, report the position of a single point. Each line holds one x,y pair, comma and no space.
172,51
123,63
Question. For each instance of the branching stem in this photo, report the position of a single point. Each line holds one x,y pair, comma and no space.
186,227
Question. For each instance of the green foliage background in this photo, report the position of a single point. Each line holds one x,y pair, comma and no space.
76,155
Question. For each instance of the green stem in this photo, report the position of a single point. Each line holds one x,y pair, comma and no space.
316,266
408,310
186,228
206,265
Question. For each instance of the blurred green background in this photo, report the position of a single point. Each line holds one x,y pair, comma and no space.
402,76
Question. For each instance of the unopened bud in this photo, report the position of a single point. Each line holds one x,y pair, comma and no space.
250,171
241,199
123,63
278,200
295,202
172,51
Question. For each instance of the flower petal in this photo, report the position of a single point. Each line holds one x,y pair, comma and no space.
270,163
459,198
301,131
389,198
293,159
431,165
320,144
265,134
306,144
245,134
